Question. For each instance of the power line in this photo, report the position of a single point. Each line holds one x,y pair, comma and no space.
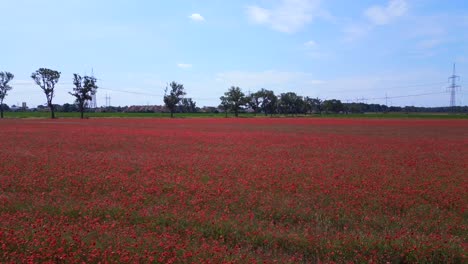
398,96
130,92
392,87
454,78
404,96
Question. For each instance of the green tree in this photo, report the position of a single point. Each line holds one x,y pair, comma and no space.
254,101
173,96
225,105
85,88
5,78
47,79
235,98
269,101
69,108
187,105
333,105
312,105
291,103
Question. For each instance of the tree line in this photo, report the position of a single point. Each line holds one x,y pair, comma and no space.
233,101
46,79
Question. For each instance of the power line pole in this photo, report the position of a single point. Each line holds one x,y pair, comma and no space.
93,103
108,100
453,87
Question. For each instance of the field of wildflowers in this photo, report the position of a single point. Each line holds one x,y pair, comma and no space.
233,190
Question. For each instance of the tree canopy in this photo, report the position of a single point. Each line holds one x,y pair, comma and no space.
85,88
5,78
234,98
47,79
173,95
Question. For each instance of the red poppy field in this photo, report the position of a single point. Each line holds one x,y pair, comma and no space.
233,190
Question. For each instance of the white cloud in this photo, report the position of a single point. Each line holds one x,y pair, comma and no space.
258,15
312,50
310,44
288,16
184,65
379,15
197,17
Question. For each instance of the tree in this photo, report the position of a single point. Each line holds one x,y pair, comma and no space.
291,103
333,105
254,101
5,78
312,105
47,79
187,105
5,107
225,105
67,108
85,88
235,98
175,95
269,101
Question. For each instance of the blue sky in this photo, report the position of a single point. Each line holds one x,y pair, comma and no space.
347,50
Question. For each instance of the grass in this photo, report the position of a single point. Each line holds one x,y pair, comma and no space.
243,115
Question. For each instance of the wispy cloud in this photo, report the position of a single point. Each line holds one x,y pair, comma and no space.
310,44
382,15
356,31
197,17
430,43
288,16
376,15
312,50
428,33
184,65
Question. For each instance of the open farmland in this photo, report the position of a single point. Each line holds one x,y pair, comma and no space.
233,190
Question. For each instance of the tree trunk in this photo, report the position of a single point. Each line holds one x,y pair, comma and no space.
172,114
82,113
1,109
52,112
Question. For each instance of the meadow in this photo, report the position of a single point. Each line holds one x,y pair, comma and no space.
390,115
246,190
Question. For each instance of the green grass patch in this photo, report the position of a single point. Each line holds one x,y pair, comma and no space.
242,115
